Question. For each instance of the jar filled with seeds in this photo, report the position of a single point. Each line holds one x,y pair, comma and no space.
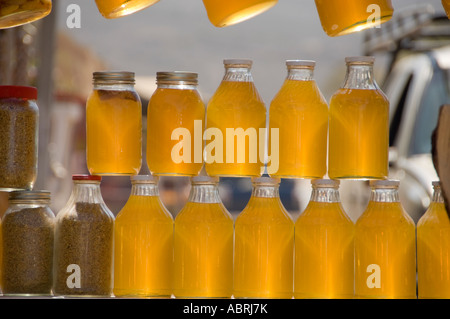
18,12
84,242
19,124
27,232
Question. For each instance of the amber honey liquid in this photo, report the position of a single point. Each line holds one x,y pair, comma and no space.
300,113
113,129
143,254
385,253
446,5
168,110
111,9
324,252
222,14
359,134
340,17
264,248
236,105
433,253
15,13
203,251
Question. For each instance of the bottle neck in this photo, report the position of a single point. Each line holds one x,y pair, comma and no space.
325,195
384,195
204,193
238,74
144,189
265,191
360,76
300,74
87,192
438,196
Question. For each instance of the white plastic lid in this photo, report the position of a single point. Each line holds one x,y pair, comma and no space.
243,62
384,183
360,59
308,63
325,182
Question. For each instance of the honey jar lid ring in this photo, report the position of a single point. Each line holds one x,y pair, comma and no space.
307,63
325,182
238,62
384,183
29,195
360,59
18,91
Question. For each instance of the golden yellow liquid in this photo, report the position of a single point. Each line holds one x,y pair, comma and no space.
385,236
203,252
300,112
324,252
236,105
114,133
340,17
225,13
264,249
143,253
111,9
14,13
359,134
433,253
446,5
169,109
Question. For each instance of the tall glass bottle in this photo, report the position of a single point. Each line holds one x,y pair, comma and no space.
433,249
113,125
83,251
143,241
236,113
300,113
359,125
385,246
324,250
264,245
203,246
340,17
175,106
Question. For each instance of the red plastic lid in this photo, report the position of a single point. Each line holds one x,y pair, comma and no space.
84,177
25,92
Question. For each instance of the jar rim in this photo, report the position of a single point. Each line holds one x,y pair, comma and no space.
360,59
18,91
29,195
204,179
246,63
384,183
301,63
325,183
265,180
185,77
144,178
86,177
109,77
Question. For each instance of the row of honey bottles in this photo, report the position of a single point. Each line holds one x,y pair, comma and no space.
231,143
143,252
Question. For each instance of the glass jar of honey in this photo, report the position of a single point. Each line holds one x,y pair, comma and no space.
14,13
19,126
111,9
114,125
225,13
175,117
340,17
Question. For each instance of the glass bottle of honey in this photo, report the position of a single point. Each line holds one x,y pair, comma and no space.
359,125
143,241
324,251
113,125
112,9
340,17
175,125
226,13
385,246
203,246
264,245
237,113
300,113
433,249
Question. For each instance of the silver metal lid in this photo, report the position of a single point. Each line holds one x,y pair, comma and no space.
177,77
112,77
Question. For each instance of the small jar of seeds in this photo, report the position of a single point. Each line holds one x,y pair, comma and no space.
17,12
19,125
84,242
27,232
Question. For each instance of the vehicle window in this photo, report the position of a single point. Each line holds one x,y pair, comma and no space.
435,95
397,116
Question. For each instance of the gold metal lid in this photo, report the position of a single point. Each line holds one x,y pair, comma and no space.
113,77
177,77
238,63
29,195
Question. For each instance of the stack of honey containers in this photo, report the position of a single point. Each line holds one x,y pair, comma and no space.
143,252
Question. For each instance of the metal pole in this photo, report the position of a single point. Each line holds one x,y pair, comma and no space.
45,53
